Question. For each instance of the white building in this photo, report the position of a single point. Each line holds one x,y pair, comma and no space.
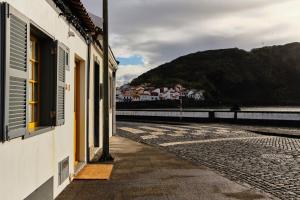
146,96
199,95
154,96
136,98
175,96
196,95
191,94
119,96
157,91
164,89
50,95
127,98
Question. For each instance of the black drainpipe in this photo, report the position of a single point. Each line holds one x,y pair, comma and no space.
114,104
89,41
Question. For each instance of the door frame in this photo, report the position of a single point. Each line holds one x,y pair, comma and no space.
96,104
76,111
80,137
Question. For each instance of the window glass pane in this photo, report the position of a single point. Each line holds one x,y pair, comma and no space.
36,71
36,53
36,92
35,113
30,91
33,50
33,71
30,50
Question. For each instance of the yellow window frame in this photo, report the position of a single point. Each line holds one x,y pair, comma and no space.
34,104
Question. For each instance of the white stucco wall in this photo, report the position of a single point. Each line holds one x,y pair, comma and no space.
27,164
269,116
224,115
96,56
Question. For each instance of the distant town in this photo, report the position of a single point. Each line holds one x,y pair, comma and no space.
128,93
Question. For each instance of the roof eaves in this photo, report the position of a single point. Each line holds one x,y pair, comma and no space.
77,15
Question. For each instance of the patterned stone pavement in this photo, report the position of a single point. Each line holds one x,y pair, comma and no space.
268,163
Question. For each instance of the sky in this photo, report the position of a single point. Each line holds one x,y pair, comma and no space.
147,33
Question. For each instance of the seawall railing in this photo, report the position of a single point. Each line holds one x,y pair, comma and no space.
256,117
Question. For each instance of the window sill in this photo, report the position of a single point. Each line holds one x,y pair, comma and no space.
38,131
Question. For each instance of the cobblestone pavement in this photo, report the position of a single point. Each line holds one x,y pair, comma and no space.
268,163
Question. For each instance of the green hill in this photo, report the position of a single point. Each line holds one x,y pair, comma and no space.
263,76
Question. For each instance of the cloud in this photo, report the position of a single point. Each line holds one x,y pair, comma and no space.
162,30
127,73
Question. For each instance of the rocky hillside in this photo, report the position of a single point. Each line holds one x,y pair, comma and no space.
264,76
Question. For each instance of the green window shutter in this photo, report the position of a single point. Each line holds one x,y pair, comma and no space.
61,83
2,64
16,73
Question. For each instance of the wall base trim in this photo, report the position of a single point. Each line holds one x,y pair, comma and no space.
45,191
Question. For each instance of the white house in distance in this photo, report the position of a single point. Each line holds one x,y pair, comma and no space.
146,96
127,93
50,95
198,95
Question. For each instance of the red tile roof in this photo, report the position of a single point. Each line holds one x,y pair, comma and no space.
77,8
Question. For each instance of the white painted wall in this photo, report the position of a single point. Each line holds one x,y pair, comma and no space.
96,56
27,164
111,108
269,116
195,114
164,114
224,115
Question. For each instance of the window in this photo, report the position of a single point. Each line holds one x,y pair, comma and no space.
32,68
34,83
52,63
67,60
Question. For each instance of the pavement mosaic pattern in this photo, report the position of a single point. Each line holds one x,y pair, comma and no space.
268,163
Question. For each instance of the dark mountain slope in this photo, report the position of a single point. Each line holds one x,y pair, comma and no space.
264,76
